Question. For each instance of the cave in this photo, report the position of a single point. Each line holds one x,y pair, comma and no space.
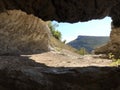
89,35
95,27
26,74
70,11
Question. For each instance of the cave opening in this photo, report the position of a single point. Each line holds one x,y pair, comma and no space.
88,35
97,27
55,70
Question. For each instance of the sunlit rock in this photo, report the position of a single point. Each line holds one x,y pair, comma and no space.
22,34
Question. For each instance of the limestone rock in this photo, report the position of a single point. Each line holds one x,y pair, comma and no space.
22,34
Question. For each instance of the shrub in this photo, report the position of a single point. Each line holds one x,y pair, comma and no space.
82,51
57,34
116,62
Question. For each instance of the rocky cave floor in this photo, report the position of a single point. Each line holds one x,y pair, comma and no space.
58,70
65,58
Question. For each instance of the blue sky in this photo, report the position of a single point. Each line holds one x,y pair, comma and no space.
99,27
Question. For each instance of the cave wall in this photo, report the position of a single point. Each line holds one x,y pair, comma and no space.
113,46
67,11
22,34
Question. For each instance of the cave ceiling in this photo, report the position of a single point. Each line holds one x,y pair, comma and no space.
66,10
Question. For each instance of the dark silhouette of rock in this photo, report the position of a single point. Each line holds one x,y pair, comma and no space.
65,10
21,73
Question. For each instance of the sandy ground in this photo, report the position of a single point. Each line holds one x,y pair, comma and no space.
66,58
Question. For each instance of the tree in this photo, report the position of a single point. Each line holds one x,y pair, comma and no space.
57,34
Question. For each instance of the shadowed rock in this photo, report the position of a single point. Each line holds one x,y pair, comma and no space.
21,73
65,10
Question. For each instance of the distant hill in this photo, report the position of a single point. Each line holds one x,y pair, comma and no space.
88,42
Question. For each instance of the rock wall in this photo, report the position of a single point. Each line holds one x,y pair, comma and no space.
22,34
113,45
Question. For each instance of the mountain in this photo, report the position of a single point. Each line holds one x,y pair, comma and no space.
88,42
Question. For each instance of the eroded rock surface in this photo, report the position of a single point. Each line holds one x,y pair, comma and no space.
24,73
22,34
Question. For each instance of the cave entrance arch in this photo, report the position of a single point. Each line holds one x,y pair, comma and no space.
84,34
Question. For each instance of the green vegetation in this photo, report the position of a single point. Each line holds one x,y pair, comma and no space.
55,32
111,56
55,39
60,45
82,51
116,62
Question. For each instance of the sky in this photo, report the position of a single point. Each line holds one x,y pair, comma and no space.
98,27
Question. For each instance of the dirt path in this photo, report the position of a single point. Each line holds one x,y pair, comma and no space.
66,58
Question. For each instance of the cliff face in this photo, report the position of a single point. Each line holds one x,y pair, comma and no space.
88,42
22,34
